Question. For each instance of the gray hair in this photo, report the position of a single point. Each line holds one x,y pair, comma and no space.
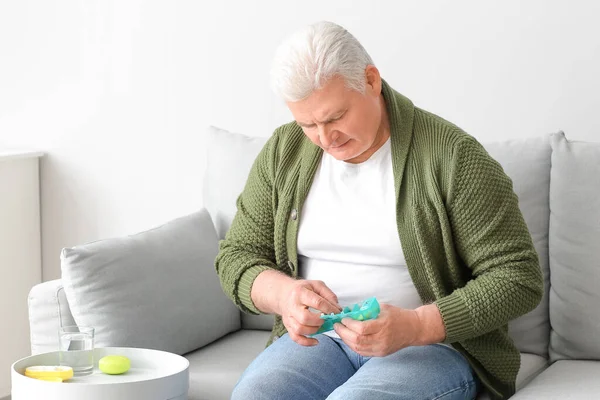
306,60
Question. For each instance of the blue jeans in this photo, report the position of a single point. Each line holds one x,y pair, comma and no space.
331,370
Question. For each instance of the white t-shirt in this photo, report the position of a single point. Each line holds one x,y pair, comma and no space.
348,236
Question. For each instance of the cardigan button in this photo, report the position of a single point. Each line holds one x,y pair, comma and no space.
294,214
290,266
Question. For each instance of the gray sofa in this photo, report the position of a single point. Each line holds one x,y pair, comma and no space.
158,288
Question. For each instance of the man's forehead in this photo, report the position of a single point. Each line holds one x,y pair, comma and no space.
315,112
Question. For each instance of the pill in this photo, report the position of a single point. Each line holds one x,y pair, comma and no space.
114,365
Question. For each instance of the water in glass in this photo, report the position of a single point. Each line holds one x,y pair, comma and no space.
77,352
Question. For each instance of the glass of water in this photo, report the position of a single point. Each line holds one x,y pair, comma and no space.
77,349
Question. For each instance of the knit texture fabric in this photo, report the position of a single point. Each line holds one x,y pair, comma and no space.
467,247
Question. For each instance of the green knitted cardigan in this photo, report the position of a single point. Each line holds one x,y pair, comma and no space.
467,247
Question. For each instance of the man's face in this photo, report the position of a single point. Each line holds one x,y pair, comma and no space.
343,122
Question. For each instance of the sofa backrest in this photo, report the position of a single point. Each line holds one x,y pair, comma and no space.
229,159
575,249
527,162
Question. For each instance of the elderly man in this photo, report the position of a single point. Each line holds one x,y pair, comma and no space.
362,195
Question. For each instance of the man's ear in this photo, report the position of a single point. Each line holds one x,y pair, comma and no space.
373,79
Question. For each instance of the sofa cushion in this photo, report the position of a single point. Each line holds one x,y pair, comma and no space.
566,379
216,368
575,249
224,183
531,366
527,163
157,289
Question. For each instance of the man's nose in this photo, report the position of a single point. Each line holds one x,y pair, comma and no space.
327,137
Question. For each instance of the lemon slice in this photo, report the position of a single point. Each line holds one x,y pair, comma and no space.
50,379
49,373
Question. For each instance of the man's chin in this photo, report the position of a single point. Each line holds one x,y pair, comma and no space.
344,156
342,153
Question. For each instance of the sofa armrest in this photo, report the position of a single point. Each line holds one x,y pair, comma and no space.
48,310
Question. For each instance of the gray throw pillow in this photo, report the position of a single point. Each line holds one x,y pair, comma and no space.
157,289
575,249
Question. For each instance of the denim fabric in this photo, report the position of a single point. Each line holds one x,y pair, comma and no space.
331,370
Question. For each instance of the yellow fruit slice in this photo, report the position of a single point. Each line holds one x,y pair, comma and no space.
46,372
48,379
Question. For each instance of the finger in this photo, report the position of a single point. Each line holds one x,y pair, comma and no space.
308,318
347,335
312,299
362,327
302,329
361,344
321,289
303,340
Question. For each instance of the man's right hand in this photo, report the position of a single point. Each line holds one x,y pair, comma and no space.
294,304
291,298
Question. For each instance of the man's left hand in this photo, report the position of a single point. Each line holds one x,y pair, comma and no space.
395,328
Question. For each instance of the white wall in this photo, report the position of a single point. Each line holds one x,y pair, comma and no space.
118,93
20,257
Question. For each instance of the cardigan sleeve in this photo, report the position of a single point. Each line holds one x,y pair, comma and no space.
248,247
492,239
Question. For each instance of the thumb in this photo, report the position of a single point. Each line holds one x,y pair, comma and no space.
322,290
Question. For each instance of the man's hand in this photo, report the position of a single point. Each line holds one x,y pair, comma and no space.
395,328
274,292
294,304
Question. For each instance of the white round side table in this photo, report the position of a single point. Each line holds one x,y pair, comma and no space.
154,375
